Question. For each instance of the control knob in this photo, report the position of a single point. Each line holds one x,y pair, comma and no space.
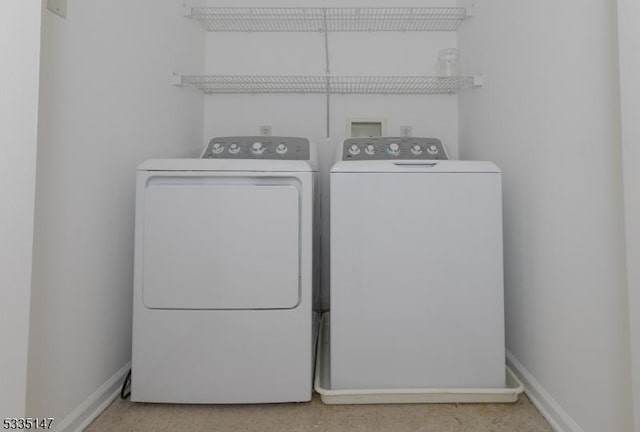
370,149
258,148
433,149
354,149
416,149
217,148
234,148
281,149
393,149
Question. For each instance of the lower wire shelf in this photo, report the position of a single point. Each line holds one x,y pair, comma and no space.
318,84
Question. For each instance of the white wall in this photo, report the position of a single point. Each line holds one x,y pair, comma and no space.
629,34
549,116
20,54
305,115
107,103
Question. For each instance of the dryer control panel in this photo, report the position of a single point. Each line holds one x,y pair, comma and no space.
389,148
258,147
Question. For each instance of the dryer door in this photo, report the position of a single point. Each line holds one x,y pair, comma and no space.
221,244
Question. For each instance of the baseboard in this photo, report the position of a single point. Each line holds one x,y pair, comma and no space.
91,408
557,417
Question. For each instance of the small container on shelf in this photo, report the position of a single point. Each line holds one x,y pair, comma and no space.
449,63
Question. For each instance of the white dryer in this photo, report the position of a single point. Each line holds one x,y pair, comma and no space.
224,274
416,268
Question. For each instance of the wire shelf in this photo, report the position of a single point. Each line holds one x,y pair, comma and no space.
254,84
264,84
243,19
397,84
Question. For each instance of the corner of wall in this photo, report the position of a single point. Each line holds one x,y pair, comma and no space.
20,54
552,411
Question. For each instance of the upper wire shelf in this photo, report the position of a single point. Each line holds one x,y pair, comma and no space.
316,84
331,19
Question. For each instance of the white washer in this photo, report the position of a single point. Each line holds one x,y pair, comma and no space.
224,274
416,268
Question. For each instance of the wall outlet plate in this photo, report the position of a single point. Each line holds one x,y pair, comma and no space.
265,130
406,131
58,7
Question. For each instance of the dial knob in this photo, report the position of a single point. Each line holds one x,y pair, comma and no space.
234,148
416,149
257,148
432,150
393,149
370,149
281,149
217,148
354,149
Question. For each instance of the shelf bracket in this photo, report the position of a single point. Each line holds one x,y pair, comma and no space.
470,6
478,80
186,9
176,79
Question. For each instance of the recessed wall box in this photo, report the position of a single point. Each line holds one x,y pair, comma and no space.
366,127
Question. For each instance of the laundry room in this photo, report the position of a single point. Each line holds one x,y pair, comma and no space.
486,148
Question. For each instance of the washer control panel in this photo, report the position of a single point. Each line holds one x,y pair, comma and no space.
258,147
388,148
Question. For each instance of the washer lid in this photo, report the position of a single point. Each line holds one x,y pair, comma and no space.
226,165
415,166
